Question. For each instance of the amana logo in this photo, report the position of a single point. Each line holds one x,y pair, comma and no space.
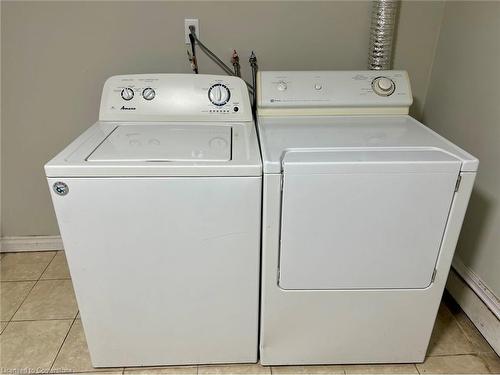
123,108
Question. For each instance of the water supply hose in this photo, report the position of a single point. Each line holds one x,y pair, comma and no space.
214,57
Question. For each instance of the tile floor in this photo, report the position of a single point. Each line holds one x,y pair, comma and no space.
41,331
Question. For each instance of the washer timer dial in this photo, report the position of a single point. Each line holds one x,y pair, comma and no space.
219,94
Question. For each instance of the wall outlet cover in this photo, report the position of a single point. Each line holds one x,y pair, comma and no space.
188,22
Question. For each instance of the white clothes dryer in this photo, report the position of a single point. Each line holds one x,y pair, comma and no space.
362,208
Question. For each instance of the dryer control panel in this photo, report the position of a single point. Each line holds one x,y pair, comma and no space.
334,92
175,97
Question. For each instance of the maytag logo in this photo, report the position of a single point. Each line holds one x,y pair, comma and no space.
123,108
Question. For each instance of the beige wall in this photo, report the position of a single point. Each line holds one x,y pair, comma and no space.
56,56
463,104
1,226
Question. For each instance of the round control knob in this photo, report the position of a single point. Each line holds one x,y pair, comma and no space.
148,93
383,86
127,93
281,86
219,94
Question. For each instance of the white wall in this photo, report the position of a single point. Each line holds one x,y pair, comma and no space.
57,55
463,104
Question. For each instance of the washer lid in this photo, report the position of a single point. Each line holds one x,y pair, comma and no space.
163,143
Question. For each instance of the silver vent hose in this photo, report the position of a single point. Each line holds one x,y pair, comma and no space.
383,24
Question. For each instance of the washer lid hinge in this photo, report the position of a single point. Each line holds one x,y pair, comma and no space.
281,182
457,184
433,275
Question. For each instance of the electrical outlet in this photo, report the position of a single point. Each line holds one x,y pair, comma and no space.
191,22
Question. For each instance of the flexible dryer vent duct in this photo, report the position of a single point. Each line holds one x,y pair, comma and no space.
383,24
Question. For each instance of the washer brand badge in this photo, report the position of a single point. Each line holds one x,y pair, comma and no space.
60,188
123,108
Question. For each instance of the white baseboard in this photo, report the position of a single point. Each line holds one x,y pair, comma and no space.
30,243
472,303
478,286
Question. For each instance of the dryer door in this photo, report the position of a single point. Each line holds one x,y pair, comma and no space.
364,219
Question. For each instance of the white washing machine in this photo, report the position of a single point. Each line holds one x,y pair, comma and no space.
159,208
362,208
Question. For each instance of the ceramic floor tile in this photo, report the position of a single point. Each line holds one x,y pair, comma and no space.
58,268
12,294
234,369
167,370
296,370
492,361
479,343
456,364
2,326
49,299
447,337
24,266
100,372
31,345
381,369
74,355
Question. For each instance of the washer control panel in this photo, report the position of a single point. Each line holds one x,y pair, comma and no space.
335,89
183,97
